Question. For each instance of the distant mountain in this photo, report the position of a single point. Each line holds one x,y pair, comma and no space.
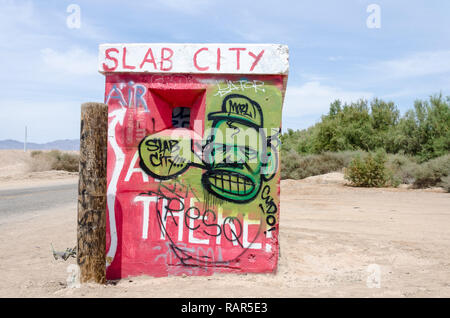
66,144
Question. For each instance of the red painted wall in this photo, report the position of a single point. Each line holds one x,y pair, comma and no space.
171,226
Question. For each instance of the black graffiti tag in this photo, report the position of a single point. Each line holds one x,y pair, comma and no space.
241,108
268,207
161,153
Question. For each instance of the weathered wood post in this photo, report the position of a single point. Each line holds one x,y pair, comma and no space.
92,193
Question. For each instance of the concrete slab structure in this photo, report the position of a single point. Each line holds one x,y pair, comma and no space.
193,157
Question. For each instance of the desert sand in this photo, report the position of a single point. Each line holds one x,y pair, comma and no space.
333,238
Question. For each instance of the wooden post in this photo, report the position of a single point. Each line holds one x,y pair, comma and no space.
91,242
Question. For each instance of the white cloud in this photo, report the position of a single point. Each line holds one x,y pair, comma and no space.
414,65
313,99
74,61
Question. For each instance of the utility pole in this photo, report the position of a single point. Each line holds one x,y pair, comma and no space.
91,247
25,142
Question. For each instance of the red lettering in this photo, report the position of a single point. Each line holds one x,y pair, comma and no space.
238,55
257,58
124,57
205,68
106,68
218,59
166,58
151,60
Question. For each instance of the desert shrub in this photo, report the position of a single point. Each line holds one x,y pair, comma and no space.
39,161
432,172
66,161
35,153
346,156
297,166
446,183
290,163
402,168
53,160
369,171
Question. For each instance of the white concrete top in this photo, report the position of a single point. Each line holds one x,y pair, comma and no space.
193,58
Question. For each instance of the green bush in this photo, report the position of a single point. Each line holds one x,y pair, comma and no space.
369,171
422,132
432,172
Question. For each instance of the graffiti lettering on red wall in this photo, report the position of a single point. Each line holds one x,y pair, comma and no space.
180,218
128,95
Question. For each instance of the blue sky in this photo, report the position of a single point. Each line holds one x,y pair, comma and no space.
48,69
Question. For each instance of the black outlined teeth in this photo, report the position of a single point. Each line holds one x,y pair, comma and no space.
231,182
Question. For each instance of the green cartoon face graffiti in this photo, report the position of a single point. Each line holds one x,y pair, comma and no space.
237,156
235,170
235,151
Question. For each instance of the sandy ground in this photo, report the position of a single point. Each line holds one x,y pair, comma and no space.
336,241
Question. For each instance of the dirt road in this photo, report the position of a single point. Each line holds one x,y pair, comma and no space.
335,241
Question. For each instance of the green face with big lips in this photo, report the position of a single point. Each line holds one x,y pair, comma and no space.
235,162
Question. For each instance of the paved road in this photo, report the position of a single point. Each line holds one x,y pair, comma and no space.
21,201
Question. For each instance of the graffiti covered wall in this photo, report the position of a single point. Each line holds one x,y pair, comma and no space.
193,159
